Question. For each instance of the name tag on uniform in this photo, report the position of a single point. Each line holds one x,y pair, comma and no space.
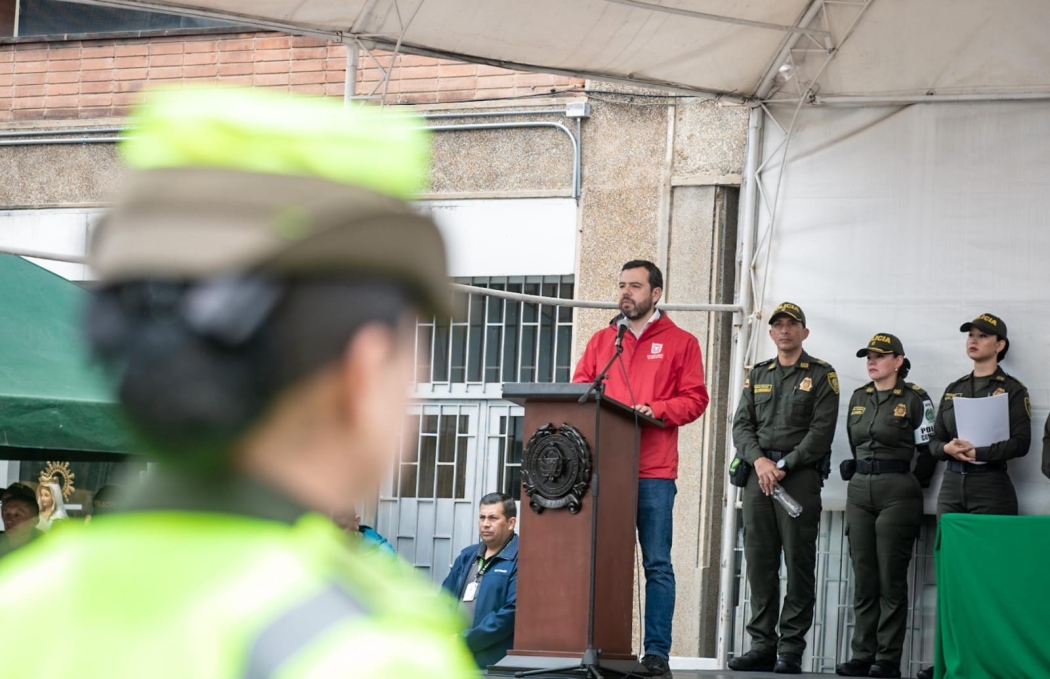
470,592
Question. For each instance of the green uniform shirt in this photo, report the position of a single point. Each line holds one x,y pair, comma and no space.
792,409
944,429
892,425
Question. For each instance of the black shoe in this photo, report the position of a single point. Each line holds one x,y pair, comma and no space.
788,663
924,674
853,668
753,661
885,668
656,666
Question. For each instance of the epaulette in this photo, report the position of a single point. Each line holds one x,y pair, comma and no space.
918,390
820,362
863,387
764,363
1019,382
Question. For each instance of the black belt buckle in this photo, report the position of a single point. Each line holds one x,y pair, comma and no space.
776,455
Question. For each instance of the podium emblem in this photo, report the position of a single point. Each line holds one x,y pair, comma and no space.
556,468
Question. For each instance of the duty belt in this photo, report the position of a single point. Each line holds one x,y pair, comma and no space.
960,467
869,466
776,455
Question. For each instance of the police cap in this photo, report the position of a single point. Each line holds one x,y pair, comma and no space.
241,181
883,343
790,310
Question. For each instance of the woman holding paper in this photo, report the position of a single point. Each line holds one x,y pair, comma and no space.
890,423
976,481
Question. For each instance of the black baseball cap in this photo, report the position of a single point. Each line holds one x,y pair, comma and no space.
17,491
882,343
993,325
788,309
106,500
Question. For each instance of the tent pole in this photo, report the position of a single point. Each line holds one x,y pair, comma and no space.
353,53
741,339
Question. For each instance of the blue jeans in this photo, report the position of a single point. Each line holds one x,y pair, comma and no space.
655,529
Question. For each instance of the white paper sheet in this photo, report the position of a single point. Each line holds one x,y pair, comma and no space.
983,421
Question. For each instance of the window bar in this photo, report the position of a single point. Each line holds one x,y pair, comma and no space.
484,346
554,331
433,347
521,334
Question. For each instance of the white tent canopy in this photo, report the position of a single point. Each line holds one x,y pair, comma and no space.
743,49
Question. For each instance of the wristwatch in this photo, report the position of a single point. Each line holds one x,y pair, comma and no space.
782,464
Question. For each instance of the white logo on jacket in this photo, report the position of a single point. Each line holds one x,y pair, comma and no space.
657,349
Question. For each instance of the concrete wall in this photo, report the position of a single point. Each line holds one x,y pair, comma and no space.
659,182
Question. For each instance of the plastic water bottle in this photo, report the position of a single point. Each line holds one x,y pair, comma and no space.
790,504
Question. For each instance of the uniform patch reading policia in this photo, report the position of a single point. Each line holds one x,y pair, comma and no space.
900,411
833,380
806,384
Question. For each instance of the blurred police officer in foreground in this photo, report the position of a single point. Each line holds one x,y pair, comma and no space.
260,282
889,426
783,428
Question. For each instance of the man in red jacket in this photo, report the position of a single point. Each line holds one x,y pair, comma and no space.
666,375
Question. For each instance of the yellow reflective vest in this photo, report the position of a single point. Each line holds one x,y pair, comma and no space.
181,594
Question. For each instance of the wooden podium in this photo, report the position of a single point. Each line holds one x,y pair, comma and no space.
552,623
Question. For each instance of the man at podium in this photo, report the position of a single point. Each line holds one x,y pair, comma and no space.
664,379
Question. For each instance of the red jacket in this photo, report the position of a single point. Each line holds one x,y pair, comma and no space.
666,372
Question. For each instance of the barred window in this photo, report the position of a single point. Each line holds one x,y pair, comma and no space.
434,455
511,446
490,340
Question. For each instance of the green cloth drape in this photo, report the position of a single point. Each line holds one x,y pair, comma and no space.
993,600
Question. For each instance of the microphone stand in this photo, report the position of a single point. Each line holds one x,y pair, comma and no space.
597,384
590,664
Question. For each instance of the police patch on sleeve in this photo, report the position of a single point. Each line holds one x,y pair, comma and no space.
833,380
1028,407
925,428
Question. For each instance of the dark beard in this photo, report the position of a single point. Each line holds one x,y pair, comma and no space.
640,310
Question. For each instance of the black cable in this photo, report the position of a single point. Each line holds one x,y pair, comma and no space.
637,448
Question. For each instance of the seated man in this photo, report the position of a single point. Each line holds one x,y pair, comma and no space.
485,580
370,541
19,511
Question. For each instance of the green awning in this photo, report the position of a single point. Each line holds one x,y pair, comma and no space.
52,397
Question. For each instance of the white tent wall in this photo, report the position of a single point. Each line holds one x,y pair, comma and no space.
911,221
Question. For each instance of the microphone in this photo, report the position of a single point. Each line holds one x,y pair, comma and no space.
620,332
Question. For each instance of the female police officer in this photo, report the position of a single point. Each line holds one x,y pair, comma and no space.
976,481
890,420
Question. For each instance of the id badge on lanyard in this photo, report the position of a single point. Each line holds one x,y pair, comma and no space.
471,592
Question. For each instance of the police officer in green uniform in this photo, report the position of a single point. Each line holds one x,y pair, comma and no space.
260,279
976,481
889,427
783,428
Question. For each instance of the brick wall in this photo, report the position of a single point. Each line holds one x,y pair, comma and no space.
101,78
422,80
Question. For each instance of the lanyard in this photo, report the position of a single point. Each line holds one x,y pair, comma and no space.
486,563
